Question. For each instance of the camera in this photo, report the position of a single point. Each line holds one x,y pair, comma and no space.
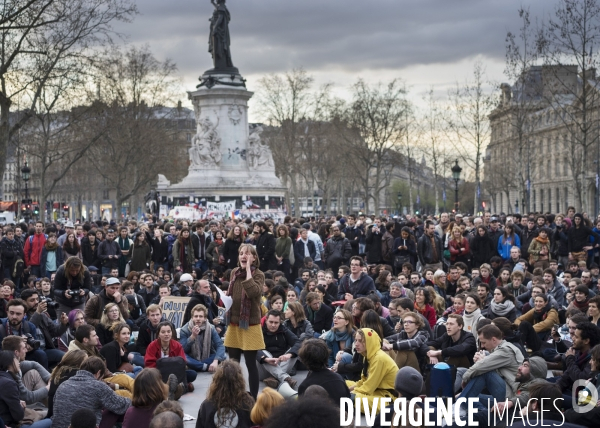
51,303
73,293
34,344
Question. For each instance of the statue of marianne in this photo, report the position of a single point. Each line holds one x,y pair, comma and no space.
218,39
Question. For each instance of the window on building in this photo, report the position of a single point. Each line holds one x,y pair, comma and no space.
534,201
542,200
557,200
566,197
557,166
565,167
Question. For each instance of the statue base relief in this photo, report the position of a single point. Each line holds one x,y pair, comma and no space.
227,157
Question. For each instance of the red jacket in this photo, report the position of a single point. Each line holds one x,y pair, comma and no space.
34,245
455,247
154,352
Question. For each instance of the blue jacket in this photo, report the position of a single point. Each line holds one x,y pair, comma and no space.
217,348
26,327
299,252
504,248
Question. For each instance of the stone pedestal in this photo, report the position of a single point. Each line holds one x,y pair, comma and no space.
227,159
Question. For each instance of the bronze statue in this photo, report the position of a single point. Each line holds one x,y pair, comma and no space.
219,40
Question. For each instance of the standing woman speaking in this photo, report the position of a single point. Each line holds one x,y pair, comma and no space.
244,333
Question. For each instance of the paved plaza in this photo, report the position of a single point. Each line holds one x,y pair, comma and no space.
191,402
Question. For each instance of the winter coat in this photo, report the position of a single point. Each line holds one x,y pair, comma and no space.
465,346
111,352
283,341
213,252
160,250
189,256
505,359
471,321
354,235
109,248
411,249
141,255
147,334
374,245
303,329
216,343
483,249
265,248
323,318
34,245
543,326
154,352
200,299
11,251
11,410
578,237
527,236
382,370
95,306
231,252
61,284
84,391
459,250
387,247
359,288
337,252
425,250
89,254
48,328
299,253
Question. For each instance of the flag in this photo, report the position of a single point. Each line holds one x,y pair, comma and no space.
478,191
418,199
234,214
444,195
248,203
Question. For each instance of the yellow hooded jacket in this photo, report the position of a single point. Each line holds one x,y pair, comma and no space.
381,371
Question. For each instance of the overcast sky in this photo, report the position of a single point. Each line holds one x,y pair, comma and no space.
424,42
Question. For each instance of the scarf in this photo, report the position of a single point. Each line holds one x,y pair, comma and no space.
539,316
542,241
123,243
339,336
92,351
218,241
583,306
201,346
310,314
501,309
246,304
423,310
51,247
182,254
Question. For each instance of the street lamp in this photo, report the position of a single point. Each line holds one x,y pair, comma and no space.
456,170
25,176
399,203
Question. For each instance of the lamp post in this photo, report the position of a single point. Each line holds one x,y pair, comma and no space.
399,203
456,170
25,176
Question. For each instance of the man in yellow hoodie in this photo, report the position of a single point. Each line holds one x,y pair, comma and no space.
379,370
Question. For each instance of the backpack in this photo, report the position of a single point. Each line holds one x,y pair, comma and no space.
18,268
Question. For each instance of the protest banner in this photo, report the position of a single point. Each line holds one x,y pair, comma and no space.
174,309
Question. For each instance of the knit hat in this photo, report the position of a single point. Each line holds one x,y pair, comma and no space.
519,267
342,221
409,382
538,368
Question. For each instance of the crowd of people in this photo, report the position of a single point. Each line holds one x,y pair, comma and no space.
368,305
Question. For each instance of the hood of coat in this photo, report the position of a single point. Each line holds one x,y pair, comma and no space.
373,342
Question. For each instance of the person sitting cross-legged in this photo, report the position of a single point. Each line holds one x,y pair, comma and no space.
201,343
495,371
456,347
277,360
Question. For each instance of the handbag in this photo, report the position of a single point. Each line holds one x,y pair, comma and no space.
400,260
30,416
171,365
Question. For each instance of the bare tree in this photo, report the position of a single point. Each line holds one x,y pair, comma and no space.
518,105
374,125
569,44
285,101
136,87
470,107
41,41
433,146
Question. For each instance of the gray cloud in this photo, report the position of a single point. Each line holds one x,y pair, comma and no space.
349,36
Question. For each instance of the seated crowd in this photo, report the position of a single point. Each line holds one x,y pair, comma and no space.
76,341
